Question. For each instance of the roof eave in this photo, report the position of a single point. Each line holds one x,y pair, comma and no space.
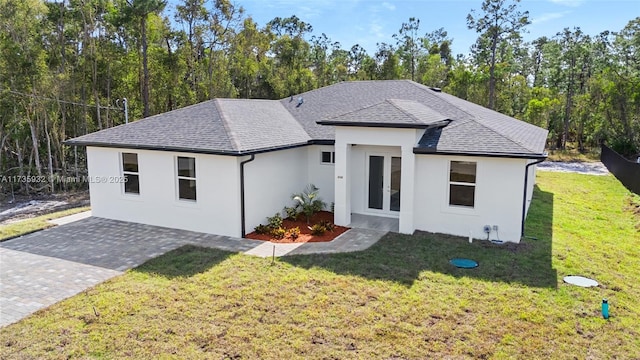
384,125
425,151
198,150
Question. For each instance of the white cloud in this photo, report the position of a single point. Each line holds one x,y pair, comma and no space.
570,3
388,6
548,17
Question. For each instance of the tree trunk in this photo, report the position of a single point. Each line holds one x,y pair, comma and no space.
145,66
50,163
492,79
34,143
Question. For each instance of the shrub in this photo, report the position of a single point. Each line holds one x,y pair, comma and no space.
262,229
328,225
308,201
294,233
291,212
275,221
318,229
278,233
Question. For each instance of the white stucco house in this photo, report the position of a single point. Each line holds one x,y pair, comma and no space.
395,149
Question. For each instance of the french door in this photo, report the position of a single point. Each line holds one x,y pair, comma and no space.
384,175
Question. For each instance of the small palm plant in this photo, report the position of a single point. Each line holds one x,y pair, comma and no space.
308,201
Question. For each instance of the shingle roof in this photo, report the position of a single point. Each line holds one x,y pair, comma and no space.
193,128
389,113
225,126
260,124
234,127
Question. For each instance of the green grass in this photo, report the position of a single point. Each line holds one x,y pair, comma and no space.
399,299
34,224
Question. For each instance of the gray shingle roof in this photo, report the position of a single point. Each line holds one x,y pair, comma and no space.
389,113
225,126
260,124
197,128
233,126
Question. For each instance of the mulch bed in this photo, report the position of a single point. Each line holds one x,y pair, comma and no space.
305,230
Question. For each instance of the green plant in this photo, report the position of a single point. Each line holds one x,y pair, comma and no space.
279,232
291,212
308,201
318,229
294,233
262,229
327,225
275,221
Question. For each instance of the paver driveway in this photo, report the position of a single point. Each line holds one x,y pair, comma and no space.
42,268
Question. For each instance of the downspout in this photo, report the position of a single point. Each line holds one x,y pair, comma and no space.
524,194
242,207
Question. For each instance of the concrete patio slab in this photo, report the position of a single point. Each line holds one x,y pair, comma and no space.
71,218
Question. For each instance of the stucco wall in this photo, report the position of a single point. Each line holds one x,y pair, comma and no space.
321,175
350,169
498,197
216,211
270,180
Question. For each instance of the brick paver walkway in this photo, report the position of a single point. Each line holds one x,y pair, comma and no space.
42,268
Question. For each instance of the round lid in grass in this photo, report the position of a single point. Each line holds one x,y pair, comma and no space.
464,263
580,281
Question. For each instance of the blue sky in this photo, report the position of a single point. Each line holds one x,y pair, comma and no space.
367,22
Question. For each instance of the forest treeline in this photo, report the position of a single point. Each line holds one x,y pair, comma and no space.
63,65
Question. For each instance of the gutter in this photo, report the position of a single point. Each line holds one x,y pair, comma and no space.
196,150
427,151
242,207
524,193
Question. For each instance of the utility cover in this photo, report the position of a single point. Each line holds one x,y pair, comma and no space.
580,281
464,263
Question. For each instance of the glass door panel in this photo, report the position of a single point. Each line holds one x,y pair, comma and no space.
376,182
396,175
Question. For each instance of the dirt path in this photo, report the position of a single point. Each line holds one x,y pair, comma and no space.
589,168
26,207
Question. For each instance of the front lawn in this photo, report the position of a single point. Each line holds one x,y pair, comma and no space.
398,300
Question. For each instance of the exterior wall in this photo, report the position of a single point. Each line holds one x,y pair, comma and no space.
319,174
531,182
269,182
498,197
216,211
349,173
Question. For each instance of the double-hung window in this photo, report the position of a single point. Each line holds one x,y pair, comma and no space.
130,173
186,178
462,183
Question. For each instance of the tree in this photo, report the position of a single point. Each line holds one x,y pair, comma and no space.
139,10
499,21
409,45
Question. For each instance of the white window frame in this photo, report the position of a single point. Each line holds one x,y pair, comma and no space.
180,177
333,157
126,172
459,183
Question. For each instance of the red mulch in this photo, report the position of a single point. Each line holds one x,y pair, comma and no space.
305,231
